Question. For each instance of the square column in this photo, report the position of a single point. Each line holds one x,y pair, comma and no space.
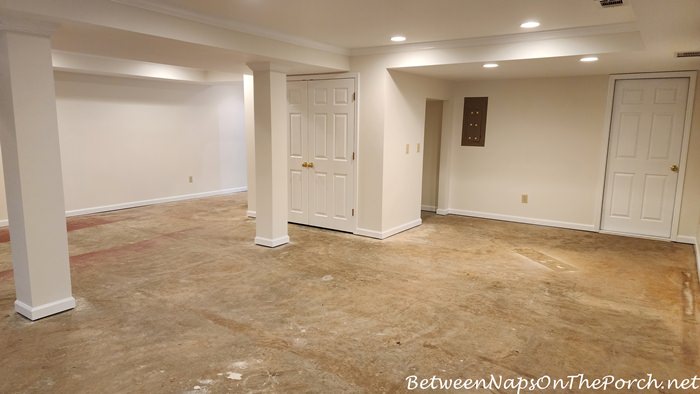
32,168
271,155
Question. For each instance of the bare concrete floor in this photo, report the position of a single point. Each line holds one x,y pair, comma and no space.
176,296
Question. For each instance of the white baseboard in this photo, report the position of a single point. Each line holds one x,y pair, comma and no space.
272,243
41,311
368,233
134,204
388,233
685,239
697,257
519,219
442,211
429,208
250,214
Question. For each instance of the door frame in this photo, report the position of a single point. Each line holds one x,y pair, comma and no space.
356,148
690,105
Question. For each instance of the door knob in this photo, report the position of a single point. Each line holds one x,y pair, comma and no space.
674,168
310,165
304,164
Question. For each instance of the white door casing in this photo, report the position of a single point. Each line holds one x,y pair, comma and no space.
326,194
646,139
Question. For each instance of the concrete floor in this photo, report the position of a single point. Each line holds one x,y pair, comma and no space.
176,298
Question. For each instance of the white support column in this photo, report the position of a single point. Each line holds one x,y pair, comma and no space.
32,166
270,97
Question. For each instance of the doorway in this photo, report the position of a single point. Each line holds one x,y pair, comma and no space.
645,156
321,127
431,154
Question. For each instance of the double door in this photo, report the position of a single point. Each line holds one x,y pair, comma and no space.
321,175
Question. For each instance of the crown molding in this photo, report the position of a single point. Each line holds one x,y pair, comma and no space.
498,40
232,25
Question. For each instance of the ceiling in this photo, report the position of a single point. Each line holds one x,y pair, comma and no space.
447,39
354,24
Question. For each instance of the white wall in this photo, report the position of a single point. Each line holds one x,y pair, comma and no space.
128,140
431,153
544,138
404,124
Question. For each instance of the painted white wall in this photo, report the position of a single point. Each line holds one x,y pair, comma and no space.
128,140
404,124
249,106
431,153
690,204
544,138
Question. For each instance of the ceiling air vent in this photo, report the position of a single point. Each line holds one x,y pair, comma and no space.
611,3
688,54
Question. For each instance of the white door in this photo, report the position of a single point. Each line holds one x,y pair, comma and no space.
298,176
321,164
646,136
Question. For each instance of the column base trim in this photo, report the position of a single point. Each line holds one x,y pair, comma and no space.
41,311
272,243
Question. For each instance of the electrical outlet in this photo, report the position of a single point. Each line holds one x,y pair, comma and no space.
191,179
523,198
408,148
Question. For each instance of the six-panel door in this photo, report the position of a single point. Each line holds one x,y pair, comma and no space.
322,140
646,136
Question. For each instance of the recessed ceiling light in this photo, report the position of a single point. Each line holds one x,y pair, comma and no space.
398,38
530,24
589,59
490,65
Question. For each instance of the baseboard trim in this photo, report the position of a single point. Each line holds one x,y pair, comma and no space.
250,214
272,243
41,311
685,239
442,211
429,208
368,233
520,219
388,233
697,257
142,203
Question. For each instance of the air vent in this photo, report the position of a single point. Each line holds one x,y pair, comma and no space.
611,3
688,54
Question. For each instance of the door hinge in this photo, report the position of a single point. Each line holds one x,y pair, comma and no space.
354,96
353,155
353,212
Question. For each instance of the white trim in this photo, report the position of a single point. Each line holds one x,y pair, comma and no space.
134,204
686,239
616,28
519,219
690,105
154,201
272,243
41,311
442,211
250,214
233,25
429,208
697,257
388,233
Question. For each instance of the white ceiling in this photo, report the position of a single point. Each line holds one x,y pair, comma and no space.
353,24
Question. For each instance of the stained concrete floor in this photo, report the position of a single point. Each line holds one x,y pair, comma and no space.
176,298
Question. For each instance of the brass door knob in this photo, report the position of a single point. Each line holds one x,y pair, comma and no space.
304,164
674,168
310,165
